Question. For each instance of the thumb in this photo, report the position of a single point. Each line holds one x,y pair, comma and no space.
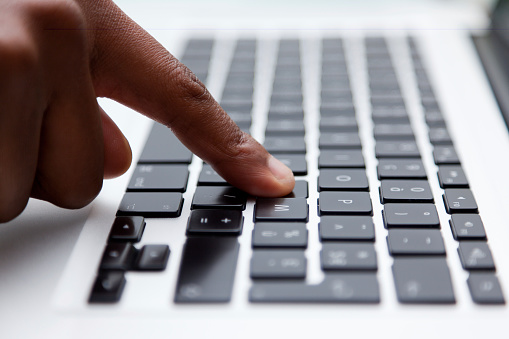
131,67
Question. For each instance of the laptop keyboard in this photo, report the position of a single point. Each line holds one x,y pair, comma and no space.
279,229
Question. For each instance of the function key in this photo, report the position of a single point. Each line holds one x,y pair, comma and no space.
272,234
413,191
222,197
345,203
452,177
346,228
281,209
152,258
401,169
423,281
152,204
108,287
215,221
410,215
467,227
459,200
476,255
485,288
278,264
118,256
127,229
159,178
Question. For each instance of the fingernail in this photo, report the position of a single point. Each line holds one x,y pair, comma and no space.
280,170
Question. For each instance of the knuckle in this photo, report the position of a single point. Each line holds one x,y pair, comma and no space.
62,14
190,88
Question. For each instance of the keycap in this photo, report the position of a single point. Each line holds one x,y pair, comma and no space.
452,177
300,190
444,155
476,255
159,178
335,288
152,258
385,115
207,270
346,228
215,221
172,152
280,235
285,144
401,169
339,140
345,203
127,229
343,180
338,124
285,127
348,256
439,136
296,162
485,288
151,204
401,191
467,227
118,256
281,209
423,281
459,200
410,215
415,242
397,149
393,132
223,197
209,177
279,264
108,287
341,158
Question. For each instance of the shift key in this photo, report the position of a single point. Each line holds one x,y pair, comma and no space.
207,270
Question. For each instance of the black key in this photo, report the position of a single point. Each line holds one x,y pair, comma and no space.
345,203
152,258
281,209
384,114
467,227
278,264
399,149
215,221
445,155
272,234
285,144
209,177
410,215
439,136
476,255
127,229
207,270
423,281
152,204
159,178
401,169
328,111
415,242
393,132
108,287
459,200
343,180
485,289
339,124
285,114
163,146
400,191
434,118
296,162
335,288
300,190
348,256
222,197
347,228
285,127
452,177
341,158
339,140
118,256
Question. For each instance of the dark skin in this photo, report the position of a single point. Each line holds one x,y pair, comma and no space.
57,144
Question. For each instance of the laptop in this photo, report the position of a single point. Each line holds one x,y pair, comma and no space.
396,134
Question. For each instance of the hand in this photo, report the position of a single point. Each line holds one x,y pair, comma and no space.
57,144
